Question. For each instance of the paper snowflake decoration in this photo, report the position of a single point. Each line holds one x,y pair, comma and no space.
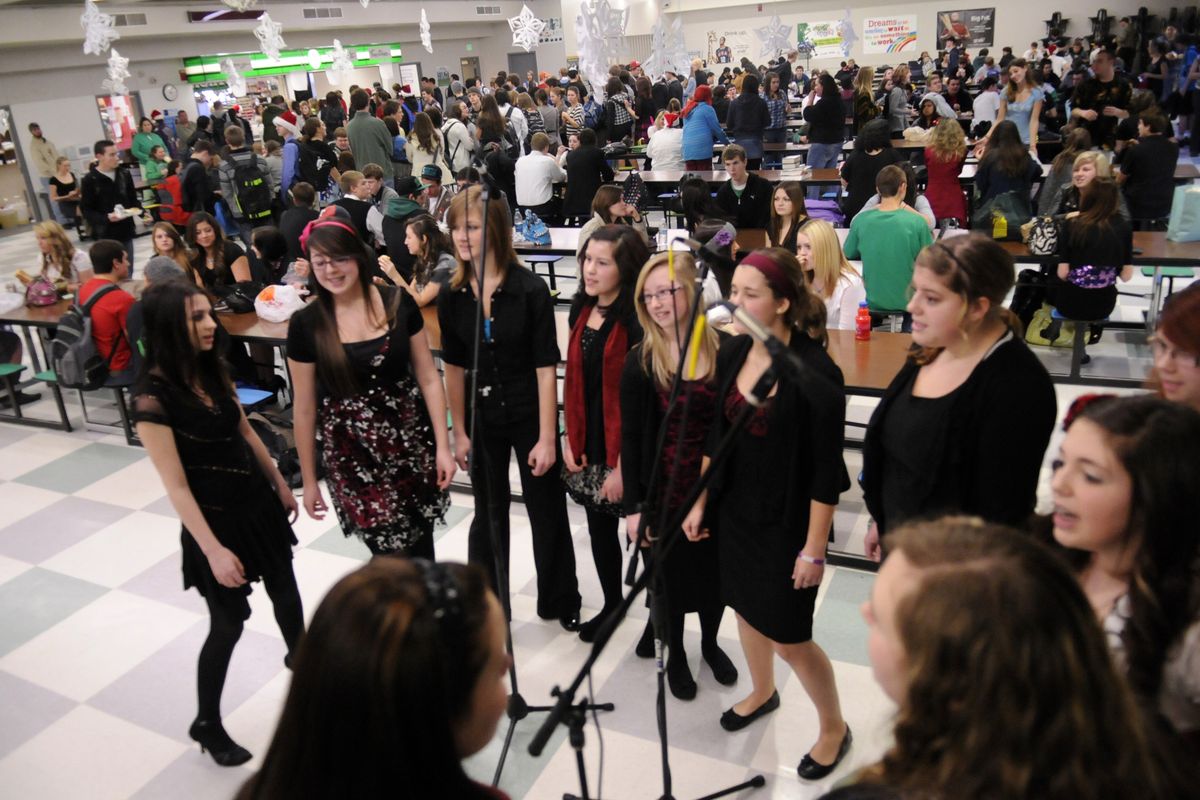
342,63
526,29
775,37
365,3
98,30
233,79
270,36
601,30
118,71
848,35
426,38
241,5
667,50
5,122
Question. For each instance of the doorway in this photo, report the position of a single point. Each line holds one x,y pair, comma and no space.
18,204
469,67
521,63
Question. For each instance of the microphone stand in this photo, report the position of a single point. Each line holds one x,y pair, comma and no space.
669,533
517,708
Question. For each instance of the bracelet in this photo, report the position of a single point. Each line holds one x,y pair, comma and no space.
820,562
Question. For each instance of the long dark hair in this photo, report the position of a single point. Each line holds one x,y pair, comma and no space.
630,251
384,674
605,198
224,273
1156,442
696,200
806,314
436,243
1005,152
170,353
1099,203
333,367
781,229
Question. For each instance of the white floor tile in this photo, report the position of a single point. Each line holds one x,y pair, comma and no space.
35,451
105,757
134,486
115,554
315,572
18,501
99,643
11,568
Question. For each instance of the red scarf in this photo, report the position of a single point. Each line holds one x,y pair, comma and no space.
615,349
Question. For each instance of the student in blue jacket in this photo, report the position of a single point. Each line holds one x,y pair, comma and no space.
700,130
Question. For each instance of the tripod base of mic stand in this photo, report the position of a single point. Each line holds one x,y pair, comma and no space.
518,710
757,782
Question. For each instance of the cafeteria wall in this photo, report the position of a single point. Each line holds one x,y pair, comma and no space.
1017,22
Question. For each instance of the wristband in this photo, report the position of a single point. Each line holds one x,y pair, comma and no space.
820,562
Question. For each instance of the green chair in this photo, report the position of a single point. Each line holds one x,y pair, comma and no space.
9,379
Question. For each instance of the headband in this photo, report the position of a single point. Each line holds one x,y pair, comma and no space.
777,279
321,222
441,590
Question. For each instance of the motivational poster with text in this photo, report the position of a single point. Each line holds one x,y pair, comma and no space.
893,34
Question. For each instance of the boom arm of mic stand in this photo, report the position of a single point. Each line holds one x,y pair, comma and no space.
671,535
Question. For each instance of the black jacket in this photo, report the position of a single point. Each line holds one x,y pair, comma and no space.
197,191
991,445
99,195
748,117
826,120
291,225
587,170
753,208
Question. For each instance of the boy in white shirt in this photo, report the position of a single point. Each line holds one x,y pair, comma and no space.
535,176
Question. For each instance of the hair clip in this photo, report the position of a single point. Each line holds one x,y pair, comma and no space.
441,589
1080,405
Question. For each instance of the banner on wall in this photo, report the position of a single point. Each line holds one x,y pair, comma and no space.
728,46
975,27
825,37
894,34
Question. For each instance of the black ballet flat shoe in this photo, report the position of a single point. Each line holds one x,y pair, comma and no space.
722,668
645,645
733,721
811,770
287,661
588,630
569,621
212,738
679,677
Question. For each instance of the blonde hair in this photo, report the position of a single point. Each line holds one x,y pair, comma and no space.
62,252
655,349
1103,165
829,262
864,81
948,142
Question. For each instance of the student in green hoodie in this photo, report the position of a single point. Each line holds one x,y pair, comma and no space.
398,212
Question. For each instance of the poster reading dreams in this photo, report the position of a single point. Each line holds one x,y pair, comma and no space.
975,27
894,34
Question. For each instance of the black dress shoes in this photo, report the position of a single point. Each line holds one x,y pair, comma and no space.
645,645
811,770
213,739
733,721
569,621
722,668
679,677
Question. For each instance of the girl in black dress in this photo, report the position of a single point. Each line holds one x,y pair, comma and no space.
514,394
603,328
224,486
771,503
362,371
690,577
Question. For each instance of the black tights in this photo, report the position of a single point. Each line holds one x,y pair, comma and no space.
421,548
225,628
710,623
604,531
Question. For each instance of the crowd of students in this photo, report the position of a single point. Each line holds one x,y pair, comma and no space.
1093,612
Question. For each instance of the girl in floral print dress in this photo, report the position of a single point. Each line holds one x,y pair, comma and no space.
364,376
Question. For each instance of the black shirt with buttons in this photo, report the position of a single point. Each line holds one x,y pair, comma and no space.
522,339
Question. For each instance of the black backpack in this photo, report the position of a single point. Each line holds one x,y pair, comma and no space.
252,187
76,362
512,143
314,166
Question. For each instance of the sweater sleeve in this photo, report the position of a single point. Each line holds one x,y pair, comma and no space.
291,159
633,420
851,247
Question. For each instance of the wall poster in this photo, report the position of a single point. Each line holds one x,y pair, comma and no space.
825,37
894,34
975,27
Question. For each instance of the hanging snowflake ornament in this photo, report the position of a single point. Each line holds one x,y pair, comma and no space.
118,71
270,36
364,3
849,37
774,37
342,63
233,79
426,38
98,30
241,5
667,50
601,30
5,122
526,29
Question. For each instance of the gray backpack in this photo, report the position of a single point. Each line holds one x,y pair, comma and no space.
76,362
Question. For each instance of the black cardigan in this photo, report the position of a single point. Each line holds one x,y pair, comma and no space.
818,399
587,170
826,120
991,445
753,208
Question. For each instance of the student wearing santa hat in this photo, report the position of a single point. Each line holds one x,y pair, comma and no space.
288,128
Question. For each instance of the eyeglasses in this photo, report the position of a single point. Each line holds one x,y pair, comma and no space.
322,264
1162,350
661,296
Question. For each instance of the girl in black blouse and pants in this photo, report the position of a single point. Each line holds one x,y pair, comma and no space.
964,425
772,499
515,396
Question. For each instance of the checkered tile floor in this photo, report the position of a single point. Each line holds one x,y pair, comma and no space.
98,641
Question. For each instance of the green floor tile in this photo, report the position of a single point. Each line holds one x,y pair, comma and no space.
38,599
82,468
839,627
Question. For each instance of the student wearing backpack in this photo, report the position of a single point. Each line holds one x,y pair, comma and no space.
424,146
457,142
110,266
245,184
317,163
285,123
512,116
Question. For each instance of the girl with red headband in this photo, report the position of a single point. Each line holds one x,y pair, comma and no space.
362,370
772,500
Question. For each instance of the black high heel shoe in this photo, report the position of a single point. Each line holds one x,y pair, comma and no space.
212,738
811,770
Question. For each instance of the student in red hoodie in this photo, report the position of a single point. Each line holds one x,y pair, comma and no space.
110,265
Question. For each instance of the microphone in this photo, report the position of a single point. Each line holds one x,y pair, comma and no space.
781,355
